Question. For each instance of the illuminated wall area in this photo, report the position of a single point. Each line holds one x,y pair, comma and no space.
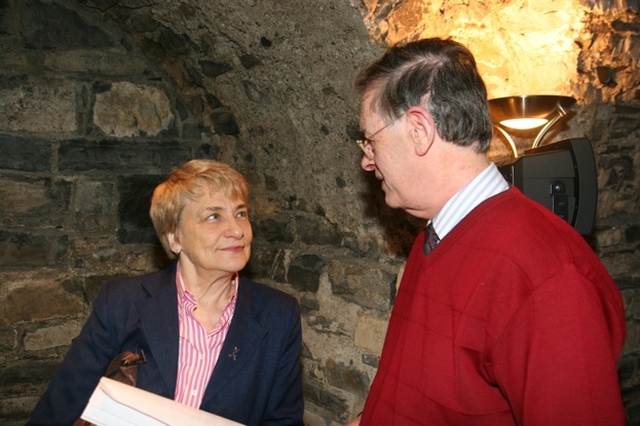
559,47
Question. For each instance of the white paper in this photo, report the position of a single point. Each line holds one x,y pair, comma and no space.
116,404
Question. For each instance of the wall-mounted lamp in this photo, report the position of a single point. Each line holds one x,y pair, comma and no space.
562,175
528,112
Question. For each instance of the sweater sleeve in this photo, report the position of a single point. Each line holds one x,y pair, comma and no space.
556,360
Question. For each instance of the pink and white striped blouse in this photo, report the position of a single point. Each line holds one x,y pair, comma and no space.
199,350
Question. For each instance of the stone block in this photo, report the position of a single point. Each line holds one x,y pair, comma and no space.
97,251
627,368
31,296
15,410
52,337
34,202
305,271
22,249
175,45
252,91
275,227
363,283
309,306
631,299
323,324
48,24
370,332
141,259
127,110
214,69
318,394
205,150
40,106
309,419
371,360
93,205
8,338
631,398
318,231
29,155
250,61
610,237
135,225
266,260
224,123
4,23
92,285
114,156
96,62
27,371
195,132
347,377
632,234
103,254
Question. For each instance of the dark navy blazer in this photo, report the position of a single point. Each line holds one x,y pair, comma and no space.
255,382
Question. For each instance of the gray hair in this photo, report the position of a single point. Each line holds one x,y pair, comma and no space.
439,75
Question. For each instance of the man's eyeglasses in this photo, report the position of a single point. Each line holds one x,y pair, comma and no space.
366,144
367,147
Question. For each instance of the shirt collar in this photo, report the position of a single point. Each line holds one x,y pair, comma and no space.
186,299
488,183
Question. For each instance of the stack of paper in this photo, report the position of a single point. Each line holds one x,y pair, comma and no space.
116,404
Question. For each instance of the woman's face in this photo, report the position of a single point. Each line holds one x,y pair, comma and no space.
214,234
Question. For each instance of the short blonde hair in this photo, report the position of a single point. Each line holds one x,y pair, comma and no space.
188,183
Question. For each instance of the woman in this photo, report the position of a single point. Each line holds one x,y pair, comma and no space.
212,340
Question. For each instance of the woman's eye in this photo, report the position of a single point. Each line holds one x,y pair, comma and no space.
243,214
214,216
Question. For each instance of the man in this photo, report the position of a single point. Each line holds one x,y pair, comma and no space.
511,319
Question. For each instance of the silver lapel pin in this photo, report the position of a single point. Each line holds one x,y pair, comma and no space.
234,353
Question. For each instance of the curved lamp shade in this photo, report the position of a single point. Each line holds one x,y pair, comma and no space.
528,112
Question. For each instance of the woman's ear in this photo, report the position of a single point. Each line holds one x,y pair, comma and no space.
174,244
423,129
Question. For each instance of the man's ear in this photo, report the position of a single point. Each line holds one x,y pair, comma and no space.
423,129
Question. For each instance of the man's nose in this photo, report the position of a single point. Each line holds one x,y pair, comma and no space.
367,164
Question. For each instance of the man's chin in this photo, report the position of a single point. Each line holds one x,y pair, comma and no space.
390,200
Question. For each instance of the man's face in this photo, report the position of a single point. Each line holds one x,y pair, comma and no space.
419,171
391,156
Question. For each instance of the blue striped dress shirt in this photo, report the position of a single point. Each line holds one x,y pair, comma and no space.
487,184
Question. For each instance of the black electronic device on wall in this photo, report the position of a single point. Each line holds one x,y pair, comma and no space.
561,176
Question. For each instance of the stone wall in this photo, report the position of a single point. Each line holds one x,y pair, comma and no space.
100,99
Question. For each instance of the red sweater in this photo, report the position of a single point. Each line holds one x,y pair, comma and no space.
511,320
